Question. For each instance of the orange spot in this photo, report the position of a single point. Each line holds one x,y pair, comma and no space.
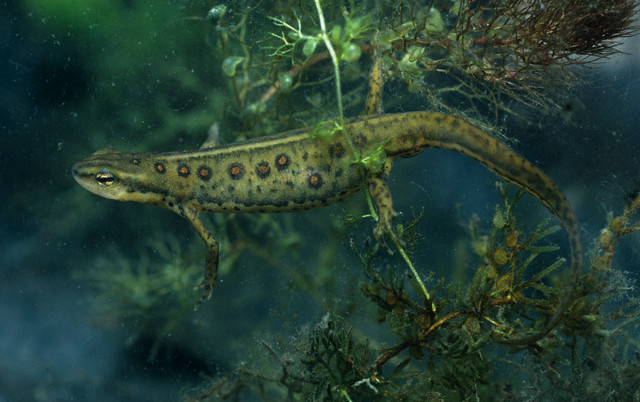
184,170
204,173
315,181
337,150
263,169
359,140
235,170
282,161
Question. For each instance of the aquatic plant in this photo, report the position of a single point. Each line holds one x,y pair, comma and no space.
430,337
449,347
469,58
149,293
510,292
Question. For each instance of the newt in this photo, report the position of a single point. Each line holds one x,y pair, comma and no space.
297,170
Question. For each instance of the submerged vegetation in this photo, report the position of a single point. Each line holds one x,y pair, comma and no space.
464,57
449,348
385,332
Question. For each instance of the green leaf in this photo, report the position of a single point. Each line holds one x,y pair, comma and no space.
538,277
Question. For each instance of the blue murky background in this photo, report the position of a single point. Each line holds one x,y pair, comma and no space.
140,75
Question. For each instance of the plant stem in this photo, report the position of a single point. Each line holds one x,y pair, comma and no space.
334,58
404,255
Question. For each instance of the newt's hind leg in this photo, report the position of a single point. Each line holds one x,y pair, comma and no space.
377,182
381,196
373,104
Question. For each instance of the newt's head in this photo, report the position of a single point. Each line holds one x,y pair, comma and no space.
116,175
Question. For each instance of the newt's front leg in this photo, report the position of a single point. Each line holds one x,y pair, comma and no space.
211,267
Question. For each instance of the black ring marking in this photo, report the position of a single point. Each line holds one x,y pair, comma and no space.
315,181
336,150
204,173
359,140
263,170
160,168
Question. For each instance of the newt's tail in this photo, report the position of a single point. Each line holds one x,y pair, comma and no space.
420,130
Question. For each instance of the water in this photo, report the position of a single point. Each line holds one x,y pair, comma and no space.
96,298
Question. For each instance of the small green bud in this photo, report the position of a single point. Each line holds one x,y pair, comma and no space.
605,239
481,245
230,65
601,263
216,13
285,80
409,64
414,87
256,108
374,162
503,283
434,21
326,129
500,257
309,46
616,225
499,220
351,53
353,25
335,34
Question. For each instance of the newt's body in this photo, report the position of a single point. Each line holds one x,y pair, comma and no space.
296,170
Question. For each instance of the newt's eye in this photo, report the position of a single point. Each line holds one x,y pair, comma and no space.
105,178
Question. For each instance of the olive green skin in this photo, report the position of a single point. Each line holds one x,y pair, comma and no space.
299,170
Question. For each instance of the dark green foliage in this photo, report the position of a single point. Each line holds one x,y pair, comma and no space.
334,363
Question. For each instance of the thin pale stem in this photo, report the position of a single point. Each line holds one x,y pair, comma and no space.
404,255
334,58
